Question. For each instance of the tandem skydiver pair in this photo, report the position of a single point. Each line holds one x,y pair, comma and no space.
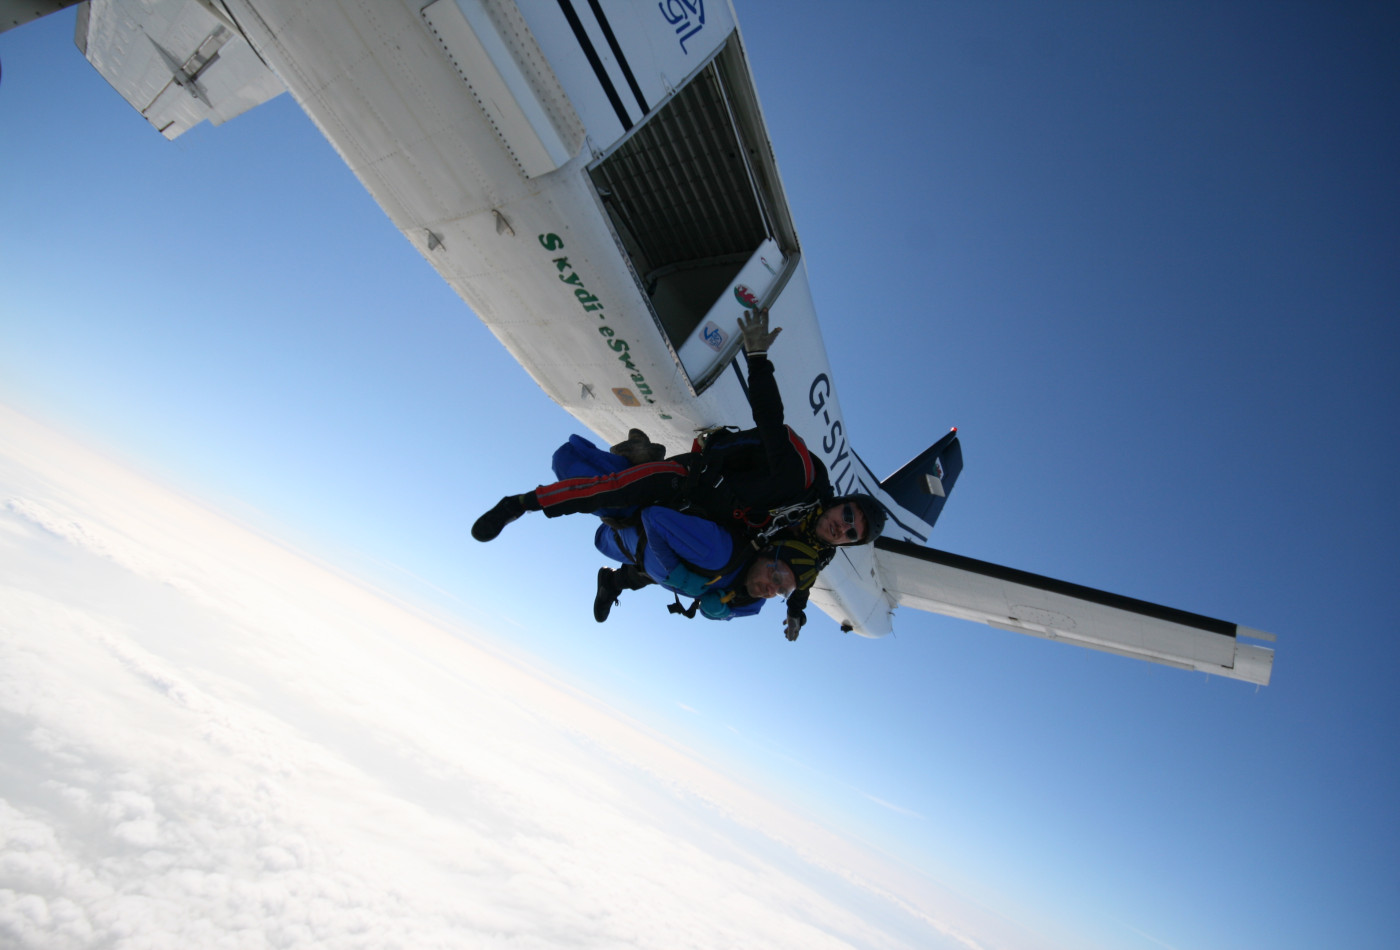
747,515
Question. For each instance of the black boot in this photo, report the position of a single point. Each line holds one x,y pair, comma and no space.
609,590
491,524
629,578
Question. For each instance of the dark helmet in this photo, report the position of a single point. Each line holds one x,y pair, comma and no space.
874,513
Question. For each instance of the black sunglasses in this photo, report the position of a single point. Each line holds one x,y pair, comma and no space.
848,517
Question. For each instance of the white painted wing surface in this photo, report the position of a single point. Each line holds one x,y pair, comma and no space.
177,62
1002,597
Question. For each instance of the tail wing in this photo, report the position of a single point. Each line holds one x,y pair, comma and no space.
1003,597
921,487
178,62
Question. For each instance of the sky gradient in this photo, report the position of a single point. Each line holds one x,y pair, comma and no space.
1142,255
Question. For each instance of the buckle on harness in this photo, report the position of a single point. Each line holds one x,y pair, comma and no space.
687,612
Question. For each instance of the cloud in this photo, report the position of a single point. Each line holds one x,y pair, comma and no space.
208,740
1150,938
908,813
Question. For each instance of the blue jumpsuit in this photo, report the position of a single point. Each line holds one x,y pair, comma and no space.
684,553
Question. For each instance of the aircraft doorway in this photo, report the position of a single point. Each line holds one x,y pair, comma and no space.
694,202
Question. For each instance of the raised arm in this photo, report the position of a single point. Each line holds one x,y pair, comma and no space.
764,398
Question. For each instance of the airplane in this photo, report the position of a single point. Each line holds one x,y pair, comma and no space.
595,179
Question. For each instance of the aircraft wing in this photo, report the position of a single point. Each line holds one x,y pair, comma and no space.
1008,599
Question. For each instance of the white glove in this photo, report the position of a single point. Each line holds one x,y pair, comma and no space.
754,327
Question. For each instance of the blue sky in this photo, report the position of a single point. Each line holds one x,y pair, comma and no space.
1142,255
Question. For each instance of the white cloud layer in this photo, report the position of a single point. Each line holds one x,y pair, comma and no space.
208,741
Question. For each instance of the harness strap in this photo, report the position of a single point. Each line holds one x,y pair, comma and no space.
615,525
687,612
786,517
800,447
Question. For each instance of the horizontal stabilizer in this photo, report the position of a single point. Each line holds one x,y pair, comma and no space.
1003,597
178,62
921,487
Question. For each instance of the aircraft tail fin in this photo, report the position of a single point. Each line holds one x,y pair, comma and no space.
922,486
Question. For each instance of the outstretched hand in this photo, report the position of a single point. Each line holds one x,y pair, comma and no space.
754,327
792,626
